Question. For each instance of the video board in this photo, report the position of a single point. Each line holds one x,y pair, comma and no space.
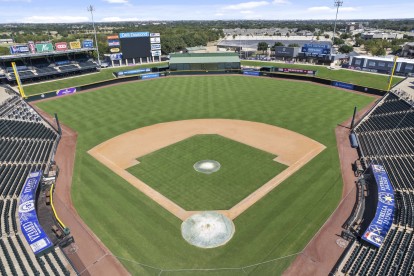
140,44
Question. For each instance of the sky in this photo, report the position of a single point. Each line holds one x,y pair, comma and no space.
67,11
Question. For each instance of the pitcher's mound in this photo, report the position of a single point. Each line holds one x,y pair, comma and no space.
207,229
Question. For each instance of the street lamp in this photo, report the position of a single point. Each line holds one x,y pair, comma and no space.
337,4
91,9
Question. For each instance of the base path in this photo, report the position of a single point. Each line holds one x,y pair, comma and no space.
122,152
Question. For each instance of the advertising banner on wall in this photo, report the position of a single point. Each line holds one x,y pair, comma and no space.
155,46
87,43
156,53
19,49
296,71
44,47
133,72
150,76
116,56
381,224
251,73
114,43
155,40
66,91
343,85
316,49
75,45
61,46
32,47
29,223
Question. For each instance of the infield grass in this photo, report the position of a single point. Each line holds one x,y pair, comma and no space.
243,170
139,231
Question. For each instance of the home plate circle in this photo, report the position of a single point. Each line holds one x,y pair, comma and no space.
207,230
207,166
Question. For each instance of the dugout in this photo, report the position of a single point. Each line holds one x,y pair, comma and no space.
204,62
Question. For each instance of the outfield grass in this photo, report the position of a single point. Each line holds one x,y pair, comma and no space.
356,77
138,230
243,170
104,74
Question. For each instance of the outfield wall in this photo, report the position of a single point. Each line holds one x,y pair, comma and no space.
309,78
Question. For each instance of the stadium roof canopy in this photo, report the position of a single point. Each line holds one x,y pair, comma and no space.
204,58
53,53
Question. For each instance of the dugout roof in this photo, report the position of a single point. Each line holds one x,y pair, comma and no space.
204,58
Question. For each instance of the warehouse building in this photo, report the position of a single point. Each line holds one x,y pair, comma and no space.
205,62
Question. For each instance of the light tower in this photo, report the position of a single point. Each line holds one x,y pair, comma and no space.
91,9
337,4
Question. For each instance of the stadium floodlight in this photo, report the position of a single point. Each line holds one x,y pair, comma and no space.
337,4
91,9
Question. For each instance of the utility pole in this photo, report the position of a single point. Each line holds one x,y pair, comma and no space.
91,9
337,4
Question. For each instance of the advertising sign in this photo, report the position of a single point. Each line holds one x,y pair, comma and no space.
29,224
156,53
114,50
155,46
316,49
112,37
155,40
114,43
379,226
133,72
19,49
44,47
296,71
75,45
343,85
251,73
116,56
150,76
154,34
61,46
66,91
281,51
135,34
87,43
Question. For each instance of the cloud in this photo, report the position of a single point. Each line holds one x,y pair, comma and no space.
280,2
55,19
247,5
116,1
246,12
219,14
328,9
119,19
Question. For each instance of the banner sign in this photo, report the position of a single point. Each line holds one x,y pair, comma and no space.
61,46
296,71
251,73
379,226
135,34
114,50
316,49
150,76
155,35
155,46
155,40
66,91
156,53
32,47
19,49
112,37
116,56
114,43
75,45
44,47
87,43
343,85
133,72
29,224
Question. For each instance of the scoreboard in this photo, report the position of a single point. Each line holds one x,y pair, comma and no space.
140,44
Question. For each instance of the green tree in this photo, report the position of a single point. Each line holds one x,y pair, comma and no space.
279,44
262,46
345,49
293,45
338,41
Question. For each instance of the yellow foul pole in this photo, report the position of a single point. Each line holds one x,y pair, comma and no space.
19,83
392,73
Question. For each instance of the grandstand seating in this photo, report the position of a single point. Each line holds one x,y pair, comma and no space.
386,137
27,143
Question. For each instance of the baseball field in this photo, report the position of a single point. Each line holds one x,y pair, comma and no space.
146,237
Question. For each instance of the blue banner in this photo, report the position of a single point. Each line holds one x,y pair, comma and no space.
19,49
150,76
87,43
132,35
251,73
381,224
29,224
133,72
343,85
